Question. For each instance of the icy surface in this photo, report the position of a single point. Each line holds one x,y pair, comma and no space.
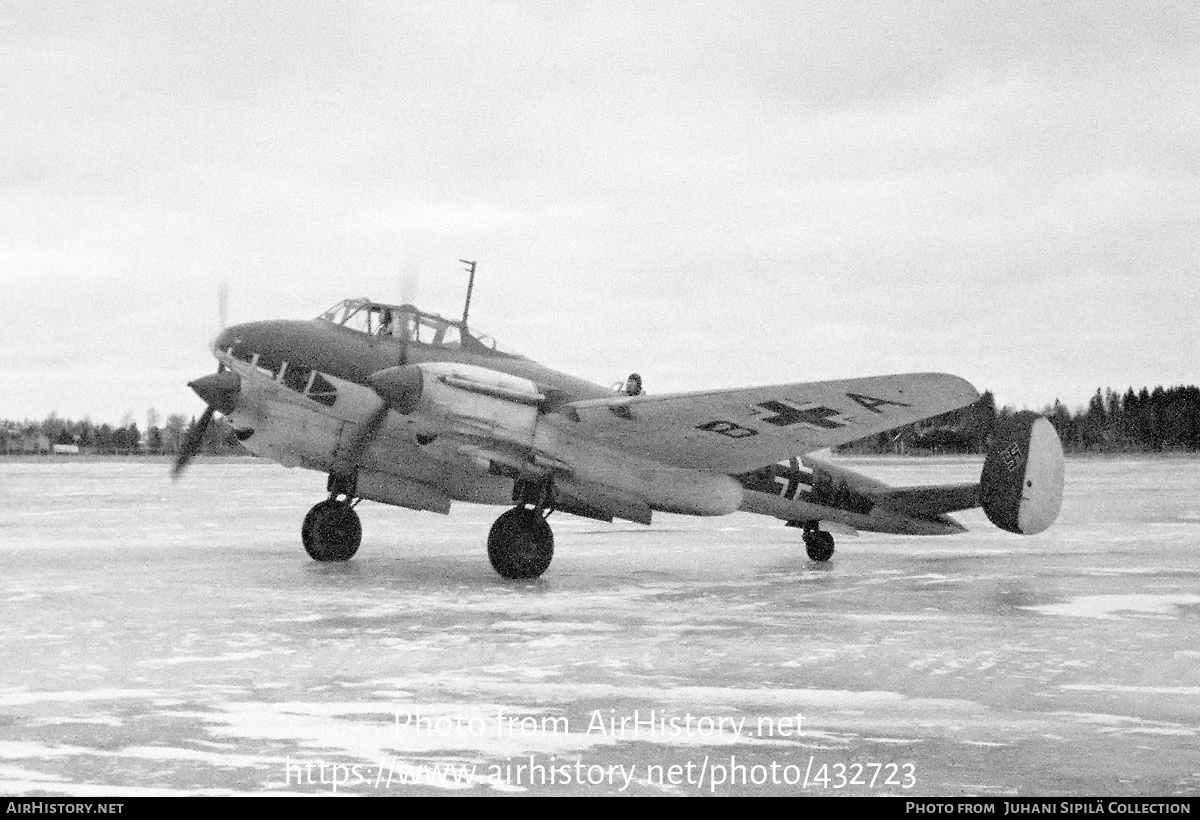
175,639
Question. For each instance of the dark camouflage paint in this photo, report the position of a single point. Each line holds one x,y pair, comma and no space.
791,481
352,355
1003,479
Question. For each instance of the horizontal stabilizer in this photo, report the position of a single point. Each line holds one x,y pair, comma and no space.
926,502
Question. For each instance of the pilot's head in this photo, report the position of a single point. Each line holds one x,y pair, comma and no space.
633,385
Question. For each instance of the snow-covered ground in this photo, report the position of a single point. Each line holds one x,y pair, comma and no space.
175,639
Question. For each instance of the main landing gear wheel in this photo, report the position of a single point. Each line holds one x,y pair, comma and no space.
520,544
331,531
818,544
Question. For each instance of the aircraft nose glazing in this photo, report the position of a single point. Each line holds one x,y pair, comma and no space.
219,390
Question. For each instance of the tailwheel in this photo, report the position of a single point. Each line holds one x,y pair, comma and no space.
331,531
520,544
818,544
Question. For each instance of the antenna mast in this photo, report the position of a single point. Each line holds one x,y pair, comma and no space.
470,284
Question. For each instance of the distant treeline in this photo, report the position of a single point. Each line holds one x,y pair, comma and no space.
125,439
1158,420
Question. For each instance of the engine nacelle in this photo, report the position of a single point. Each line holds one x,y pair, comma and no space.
468,400
1021,486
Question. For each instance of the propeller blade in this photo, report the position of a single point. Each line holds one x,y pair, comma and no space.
191,444
349,457
410,279
222,305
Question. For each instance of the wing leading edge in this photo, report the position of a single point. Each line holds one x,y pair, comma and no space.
733,431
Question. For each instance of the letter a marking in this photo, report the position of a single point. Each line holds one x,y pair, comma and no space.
871,403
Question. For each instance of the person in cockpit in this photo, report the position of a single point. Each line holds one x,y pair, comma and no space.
633,385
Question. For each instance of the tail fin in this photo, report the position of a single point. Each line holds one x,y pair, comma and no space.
1021,487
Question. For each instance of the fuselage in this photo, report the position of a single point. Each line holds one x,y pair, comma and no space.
348,354
359,338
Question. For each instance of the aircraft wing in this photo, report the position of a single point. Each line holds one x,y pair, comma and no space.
733,431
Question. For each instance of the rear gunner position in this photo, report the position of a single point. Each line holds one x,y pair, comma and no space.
404,407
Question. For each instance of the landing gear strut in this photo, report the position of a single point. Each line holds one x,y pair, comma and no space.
818,544
521,544
332,531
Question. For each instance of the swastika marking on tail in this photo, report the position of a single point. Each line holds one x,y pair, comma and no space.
1012,457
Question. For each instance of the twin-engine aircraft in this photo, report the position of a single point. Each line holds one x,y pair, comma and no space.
408,408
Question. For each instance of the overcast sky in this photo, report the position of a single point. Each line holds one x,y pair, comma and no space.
713,194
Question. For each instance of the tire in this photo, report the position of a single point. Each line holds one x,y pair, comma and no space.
331,532
819,545
520,544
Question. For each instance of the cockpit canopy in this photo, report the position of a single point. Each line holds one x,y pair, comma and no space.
405,323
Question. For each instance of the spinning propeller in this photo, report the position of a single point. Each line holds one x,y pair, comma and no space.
220,392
